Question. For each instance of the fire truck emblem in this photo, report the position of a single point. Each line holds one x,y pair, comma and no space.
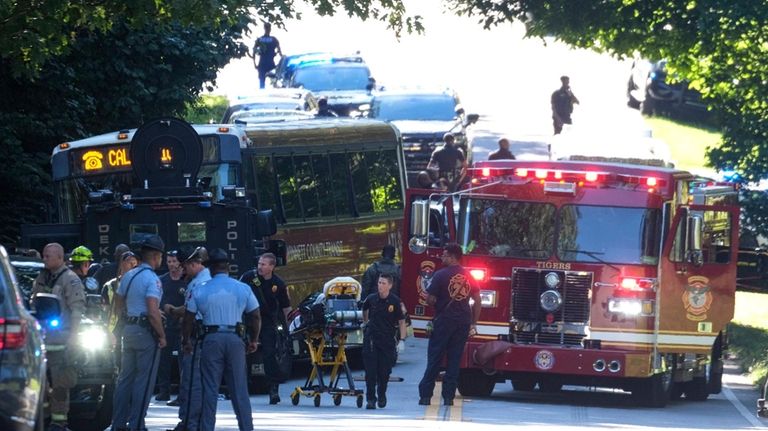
391,308
425,277
697,298
544,360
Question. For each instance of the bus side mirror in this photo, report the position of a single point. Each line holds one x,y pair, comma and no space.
266,223
694,236
419,226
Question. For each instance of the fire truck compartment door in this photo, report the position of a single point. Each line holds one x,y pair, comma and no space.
697,288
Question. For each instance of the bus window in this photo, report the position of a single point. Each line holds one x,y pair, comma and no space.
341,185
306,182
289,195
385,182
263,189
358,164
322,170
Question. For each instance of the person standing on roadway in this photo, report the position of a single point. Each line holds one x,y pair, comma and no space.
385,265
448,161
381,314
449,292
221,303
57,279
174,293
562,101
81,258
503,152
266,47
190,387
139,295
109,270
274,306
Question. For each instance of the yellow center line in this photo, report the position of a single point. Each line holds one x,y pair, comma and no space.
451,413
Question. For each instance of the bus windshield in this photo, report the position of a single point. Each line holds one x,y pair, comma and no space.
72,192
609,234
507,228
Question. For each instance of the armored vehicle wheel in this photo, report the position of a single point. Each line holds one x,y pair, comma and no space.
697,389
317,400
295,399
359,401
337,400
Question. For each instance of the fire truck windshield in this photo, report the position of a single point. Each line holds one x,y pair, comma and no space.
584,233
507,228
609,234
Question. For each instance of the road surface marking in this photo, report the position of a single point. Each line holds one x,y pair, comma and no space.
740,407
437,412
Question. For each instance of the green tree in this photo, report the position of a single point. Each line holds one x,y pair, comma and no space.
719,46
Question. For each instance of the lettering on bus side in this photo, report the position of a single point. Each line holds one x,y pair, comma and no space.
312,251
231,245
553,265
103,230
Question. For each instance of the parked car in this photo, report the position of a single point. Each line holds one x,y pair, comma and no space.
346,85
22,357
289,63
274,99
423,116
648,90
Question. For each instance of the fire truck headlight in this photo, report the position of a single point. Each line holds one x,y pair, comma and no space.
488,298
551,280
628,307
551,300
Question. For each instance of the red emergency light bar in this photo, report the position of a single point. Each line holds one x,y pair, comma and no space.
579,177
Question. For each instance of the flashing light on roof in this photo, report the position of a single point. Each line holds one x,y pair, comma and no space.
591,176
486,172
558,175
650,182
541,173
223,129
122,136
64,145
478,274
521,172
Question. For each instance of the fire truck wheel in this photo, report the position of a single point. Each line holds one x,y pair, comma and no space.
523,384
475,383
697,389
654,391
550,386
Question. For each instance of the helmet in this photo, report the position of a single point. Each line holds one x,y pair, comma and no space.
81,254
192,253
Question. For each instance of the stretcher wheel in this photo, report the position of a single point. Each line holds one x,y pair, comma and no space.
359,401
295,399
317,400
337,400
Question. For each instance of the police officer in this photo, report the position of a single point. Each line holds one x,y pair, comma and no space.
381,312
139,294
59,280
449,292
222,302
190,387
81,258
274,306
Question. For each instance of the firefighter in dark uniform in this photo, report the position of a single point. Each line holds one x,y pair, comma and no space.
381,314
139,295
449,292
61,281
222,302
274,306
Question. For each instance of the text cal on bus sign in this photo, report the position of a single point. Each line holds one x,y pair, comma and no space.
118,157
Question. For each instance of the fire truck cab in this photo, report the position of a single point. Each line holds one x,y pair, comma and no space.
594,273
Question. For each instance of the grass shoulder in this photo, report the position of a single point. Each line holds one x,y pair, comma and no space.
748,334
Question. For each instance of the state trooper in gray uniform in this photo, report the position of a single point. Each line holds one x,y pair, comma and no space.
222,302
139,297
190,386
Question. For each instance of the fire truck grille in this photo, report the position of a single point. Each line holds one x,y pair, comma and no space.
533,324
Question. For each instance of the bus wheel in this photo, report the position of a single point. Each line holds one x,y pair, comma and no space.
475,383
523,384
550,386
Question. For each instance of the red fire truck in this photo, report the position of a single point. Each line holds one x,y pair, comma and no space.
594,273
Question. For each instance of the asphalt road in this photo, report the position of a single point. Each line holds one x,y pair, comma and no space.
574,408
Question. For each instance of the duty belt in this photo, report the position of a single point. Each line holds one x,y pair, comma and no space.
210,329
137,320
